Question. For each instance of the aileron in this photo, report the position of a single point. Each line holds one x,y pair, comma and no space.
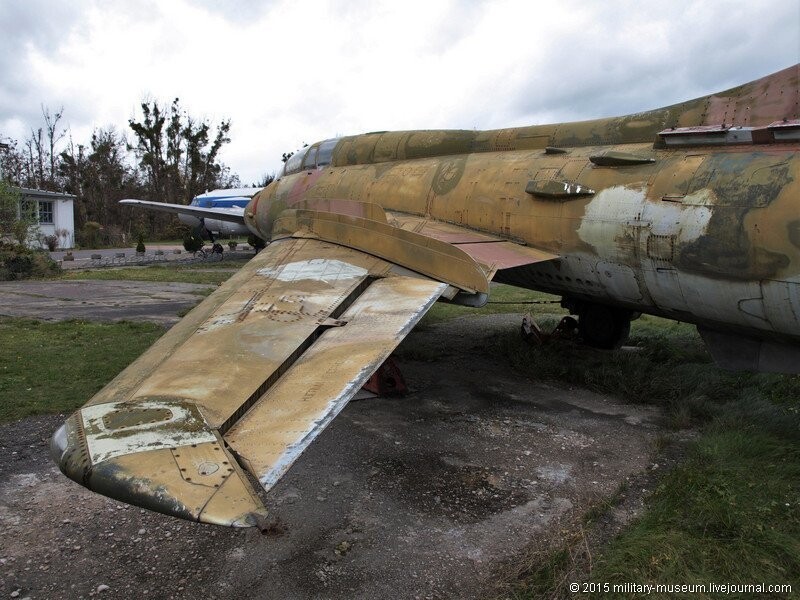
296,409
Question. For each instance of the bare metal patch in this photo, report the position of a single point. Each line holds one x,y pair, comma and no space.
316,269
184,426
614,210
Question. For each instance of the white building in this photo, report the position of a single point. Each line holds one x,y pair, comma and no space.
55,214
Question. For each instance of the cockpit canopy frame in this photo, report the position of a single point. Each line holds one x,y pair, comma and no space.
311,157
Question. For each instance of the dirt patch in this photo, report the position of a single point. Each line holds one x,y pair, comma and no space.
425,496
443,486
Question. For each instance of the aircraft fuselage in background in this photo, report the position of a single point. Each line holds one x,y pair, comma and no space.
233,200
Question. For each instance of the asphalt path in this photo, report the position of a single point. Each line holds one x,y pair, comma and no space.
96,300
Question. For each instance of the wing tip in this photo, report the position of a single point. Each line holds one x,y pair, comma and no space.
196,482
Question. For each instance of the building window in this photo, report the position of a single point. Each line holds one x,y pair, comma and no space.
46,212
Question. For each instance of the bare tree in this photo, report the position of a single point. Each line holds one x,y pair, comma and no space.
54,136
172,157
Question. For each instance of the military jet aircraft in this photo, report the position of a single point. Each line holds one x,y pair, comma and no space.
690,212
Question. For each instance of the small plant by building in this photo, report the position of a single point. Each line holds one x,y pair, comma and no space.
90,234
20,262
51,241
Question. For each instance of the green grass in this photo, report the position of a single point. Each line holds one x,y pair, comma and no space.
731,511
56,367
728,514
206,272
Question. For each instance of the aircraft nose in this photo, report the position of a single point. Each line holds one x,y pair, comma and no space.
251,212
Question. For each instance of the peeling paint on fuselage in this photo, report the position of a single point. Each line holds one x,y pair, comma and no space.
688,236
613,213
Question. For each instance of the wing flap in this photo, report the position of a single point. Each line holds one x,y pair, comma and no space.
422,254
504,255
492,252
282,423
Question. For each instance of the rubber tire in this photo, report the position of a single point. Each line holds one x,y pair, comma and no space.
603,327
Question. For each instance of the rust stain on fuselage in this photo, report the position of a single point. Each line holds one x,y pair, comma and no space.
694,218
742,184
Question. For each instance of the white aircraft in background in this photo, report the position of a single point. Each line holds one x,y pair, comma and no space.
219,212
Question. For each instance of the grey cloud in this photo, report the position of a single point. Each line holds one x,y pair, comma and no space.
237,11
35,25
459,22
707,53
40,26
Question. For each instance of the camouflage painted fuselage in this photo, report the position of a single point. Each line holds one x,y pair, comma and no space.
697,226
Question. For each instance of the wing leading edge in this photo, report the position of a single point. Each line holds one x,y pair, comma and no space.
233,214
244,383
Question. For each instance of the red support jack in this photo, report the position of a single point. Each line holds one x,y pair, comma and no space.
387,380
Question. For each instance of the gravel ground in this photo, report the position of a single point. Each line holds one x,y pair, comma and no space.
427,496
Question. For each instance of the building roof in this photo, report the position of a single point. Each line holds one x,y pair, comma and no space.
45,194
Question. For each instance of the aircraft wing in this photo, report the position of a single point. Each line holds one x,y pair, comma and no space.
233,214
241,385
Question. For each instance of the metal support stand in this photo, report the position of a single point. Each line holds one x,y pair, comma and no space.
387,380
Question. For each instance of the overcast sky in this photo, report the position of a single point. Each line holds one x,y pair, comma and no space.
288,72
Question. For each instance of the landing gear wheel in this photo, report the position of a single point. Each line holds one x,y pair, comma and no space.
604,327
